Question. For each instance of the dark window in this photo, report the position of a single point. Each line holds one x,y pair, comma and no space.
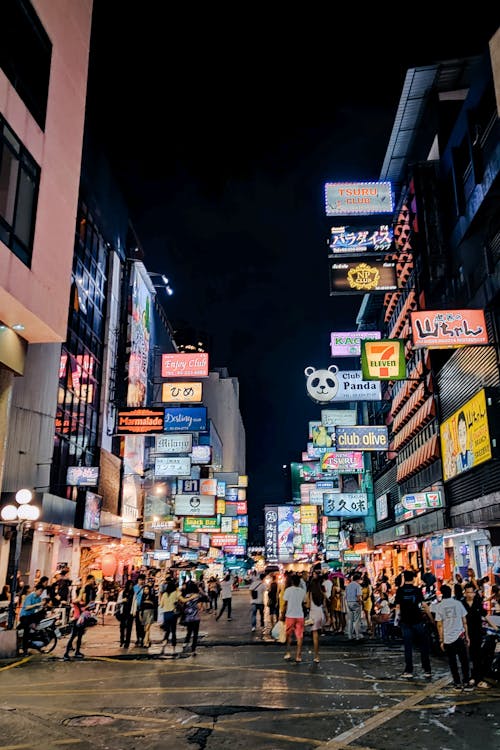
25,54
19,180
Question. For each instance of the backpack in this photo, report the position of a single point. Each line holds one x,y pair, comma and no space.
254,594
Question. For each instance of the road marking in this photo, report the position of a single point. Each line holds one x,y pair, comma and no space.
196,688
16,663
343,740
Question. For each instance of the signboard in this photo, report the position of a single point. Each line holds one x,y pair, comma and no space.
331,385
82,476
143,421
448,329
365,438
465,437
139,332
348,344
361,277
383,360
422,500
192,524
172,466
224,540
173,443
194,505
208,486
348,240
354,198
92,513
184,365
345,504
181,393
201,454
179,419
382,507
309,514
190,486
342,461
332,417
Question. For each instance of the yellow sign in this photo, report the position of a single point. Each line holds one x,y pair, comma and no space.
308,514
465,437
181,393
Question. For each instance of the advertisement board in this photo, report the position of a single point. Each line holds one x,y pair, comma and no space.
342,461
354,198
422,500
139,335
184,365
331,385
382,507
364,438
448,329
201,454
192,524
333,417
181,393
194,505
348,343
345,504
145,421
179,419
174,443
383,360
346,240
361,277
172,466
465,437
82,476
92,512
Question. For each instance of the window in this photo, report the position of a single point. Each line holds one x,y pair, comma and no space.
25,55
19,180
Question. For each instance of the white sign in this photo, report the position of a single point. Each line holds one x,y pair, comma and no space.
352,387
194,505
422,501
381,506
179,443
172,466
352,198
333,417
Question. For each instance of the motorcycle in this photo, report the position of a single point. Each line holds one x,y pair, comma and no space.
490,654
43,635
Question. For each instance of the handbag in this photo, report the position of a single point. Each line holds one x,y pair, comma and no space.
278,632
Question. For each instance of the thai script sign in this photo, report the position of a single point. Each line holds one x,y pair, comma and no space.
181,393
179,419
448,329
184,365
348,344
465,437
353,198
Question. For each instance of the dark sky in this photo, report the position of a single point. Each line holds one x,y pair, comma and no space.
223,128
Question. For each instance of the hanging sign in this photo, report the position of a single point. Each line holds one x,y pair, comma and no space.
383,360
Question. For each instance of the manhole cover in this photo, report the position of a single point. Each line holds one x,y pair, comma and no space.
88,721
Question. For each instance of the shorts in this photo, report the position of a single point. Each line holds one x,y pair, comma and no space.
295,625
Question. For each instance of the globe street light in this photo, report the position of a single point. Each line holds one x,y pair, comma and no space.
18,515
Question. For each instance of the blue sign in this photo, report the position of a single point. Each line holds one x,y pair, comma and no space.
179,419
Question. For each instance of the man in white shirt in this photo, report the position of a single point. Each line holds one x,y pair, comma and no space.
293,615
451,621
353,596
258,586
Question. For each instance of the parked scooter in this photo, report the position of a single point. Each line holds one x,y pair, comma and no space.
490,654
43,635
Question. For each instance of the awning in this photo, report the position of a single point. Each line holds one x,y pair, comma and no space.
419,420
425,455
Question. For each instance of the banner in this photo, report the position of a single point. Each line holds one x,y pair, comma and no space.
448,329
465,437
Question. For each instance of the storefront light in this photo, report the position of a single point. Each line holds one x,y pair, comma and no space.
461,533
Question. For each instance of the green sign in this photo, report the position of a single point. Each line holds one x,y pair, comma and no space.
192,524
383,359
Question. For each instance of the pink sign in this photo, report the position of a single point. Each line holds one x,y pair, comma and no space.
343,461
184,365
348,344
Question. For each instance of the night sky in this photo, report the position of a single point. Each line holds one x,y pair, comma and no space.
222,129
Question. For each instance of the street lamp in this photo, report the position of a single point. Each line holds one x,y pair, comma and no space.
18,515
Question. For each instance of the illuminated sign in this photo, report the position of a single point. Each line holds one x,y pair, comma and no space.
184,365
349,240
326,386
192,524
208,486
92,513
181,393
194,505
448,329
224,540
345,504
366,438
192,418
348,344
308,514
383,360
356,277
353,198
465,437
422,500
145,421
82,476
382,507
342,461
173,443
333,417
201,454
172,466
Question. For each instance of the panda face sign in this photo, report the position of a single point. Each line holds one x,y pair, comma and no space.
322,385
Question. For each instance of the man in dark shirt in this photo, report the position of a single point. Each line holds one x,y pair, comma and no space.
410,609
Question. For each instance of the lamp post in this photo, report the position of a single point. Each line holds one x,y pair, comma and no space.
18,515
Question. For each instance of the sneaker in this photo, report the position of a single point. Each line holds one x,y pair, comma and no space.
66,657
468,688
287,657
253,630
79,655
457,688
229,619
427,675
407,675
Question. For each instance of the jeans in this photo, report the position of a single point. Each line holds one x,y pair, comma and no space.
458,648
420,635
170,627
257,608
353,620
226,604
192,629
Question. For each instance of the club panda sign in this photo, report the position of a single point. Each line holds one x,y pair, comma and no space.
325,386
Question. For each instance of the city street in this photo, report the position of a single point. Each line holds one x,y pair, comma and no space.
238,692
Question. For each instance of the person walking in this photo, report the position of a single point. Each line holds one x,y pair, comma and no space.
317,603
257,588
227,596
353,595
213,593
192,602
136,609
451,621
410,615
83,602
272,600
293,617
168,603
124,604
148,611
476,616
367,601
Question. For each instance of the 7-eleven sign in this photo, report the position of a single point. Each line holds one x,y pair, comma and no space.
383,359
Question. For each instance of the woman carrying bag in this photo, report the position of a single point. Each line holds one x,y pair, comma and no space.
169,603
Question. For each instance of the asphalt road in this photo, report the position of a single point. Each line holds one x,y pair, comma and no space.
238,692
